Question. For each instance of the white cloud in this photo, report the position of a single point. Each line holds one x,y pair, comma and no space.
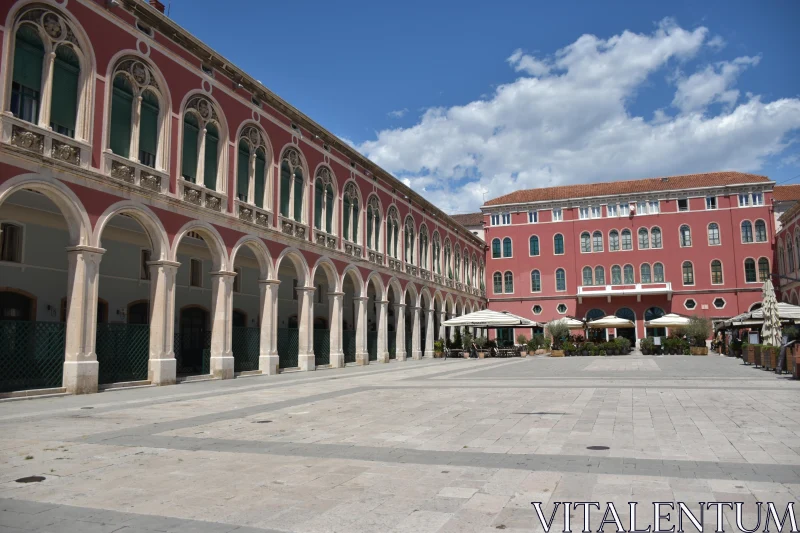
399,113
711,85
717,42
568,120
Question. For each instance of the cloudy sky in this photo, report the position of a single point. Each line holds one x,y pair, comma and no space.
467,101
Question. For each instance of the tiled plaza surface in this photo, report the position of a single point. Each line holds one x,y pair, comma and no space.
450,446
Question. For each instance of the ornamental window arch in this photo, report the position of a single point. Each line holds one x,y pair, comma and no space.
324,200
203,142
253,167
50,72
409,239
374,219
422,254
393,232
292,184
351,211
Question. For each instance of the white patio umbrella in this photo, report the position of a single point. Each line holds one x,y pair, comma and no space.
572,323
487,318
670,320
611,321
771,330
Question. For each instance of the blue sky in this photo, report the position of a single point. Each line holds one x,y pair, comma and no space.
465,100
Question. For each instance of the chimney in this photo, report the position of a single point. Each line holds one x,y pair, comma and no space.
158,4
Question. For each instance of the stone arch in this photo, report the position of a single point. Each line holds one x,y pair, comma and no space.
80,229
448,300
211,236
437,297
159,241
411,292
425,299
298,261
397,290
329,269
379,286
357,279
261,252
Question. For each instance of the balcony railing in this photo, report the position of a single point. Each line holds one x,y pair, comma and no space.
625,289
250,213
325,239
351,248
411,269
44,142
395,264
293,228
375,257
201,196
123,169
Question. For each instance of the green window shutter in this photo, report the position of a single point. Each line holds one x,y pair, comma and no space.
319,195
211,160
28,59
189,163
286,186
148,124
243,172
395,239
261,172
355,222
378,232
64,105
369,230
298,195
121,109
346,218
329,211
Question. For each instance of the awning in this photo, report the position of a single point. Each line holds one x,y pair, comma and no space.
670,320
572,323
786,313
487,318
611,321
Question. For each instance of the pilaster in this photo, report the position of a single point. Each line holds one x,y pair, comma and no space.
305,325
268,360
162,367
221,328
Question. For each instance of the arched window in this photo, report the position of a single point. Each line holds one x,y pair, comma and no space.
653,313
626,313
408,234
781,259
457,263
586,242
599,275
374,224
201,143
392,232
790,254
613,241
747,231
467,278
716,272
686,235
507,247
627,270
496,253
536,281
713,234
750,271
474,265
655,237
135,105
252,167
533,245
422,258
561,280
587,275
594,314
761,231
437,254
558,244
616,275
509,282
324,204
644,239
763,269
50,85
447,255
351,211
597,241
627,242
658,273
644,273
688,273
497,279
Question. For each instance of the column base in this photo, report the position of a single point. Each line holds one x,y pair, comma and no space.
306,362
337,360
80,377
222,366
162,371
383,357
428,353
362,359
401,355
268,364
416,355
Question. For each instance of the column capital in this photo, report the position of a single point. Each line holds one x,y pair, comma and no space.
361,298
400,305
306,289
269,281
164,263
382,301
223,273
414,307
335,294
86,249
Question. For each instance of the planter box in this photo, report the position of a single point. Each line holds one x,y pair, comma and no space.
523,354
481,355
438,355
790,362
774,357
557,353
466,355
698,350
749,355
757,355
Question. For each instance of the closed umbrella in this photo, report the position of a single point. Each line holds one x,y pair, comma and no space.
771,330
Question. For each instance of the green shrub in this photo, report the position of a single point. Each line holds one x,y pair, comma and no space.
623,345
481,342
558,331
438,346
697,331
521,339
466,341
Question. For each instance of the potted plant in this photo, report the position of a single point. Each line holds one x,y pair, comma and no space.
438,348
646,345
697,331
588,348
546,344
559,332
466,343
523,342
481,342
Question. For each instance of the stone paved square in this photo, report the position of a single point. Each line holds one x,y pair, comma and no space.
431,445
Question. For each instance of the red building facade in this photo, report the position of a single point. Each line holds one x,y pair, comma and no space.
697,244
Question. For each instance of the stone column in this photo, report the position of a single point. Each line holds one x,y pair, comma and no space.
400,331
452,331
136,113
81,369
362,356
416,352
441,325
200,178
383,331
222,324
268,360
429,333
336,302
162,367
46,100
305,326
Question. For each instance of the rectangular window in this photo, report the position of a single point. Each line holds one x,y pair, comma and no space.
641,208
144,268
711,202
495,220
583,213
558,215
196,273
653,207
237,280
506,219
758,198
612,210
744,200
10,243
624,210
596,211
533,217
683,204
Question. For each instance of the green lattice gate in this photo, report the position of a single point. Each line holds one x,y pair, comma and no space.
195,362
245,343
31,355
392,338
372,345
123,351
349,345
288,347
322,347
422,335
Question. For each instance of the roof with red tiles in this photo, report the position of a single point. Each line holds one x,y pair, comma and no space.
786,193
589,190
469,219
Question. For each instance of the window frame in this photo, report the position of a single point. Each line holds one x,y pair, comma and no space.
20,248
746,223
611,247
195,261
629,234
538,278
555,248
494,282
510,248
660,234
711,203
685,243
691,274
586,242
649,273
597,242
506,276
713,273
756,230
557,214
708,234
639,234
564,277
531,240
533,217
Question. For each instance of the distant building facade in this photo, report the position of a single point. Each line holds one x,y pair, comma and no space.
472,222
